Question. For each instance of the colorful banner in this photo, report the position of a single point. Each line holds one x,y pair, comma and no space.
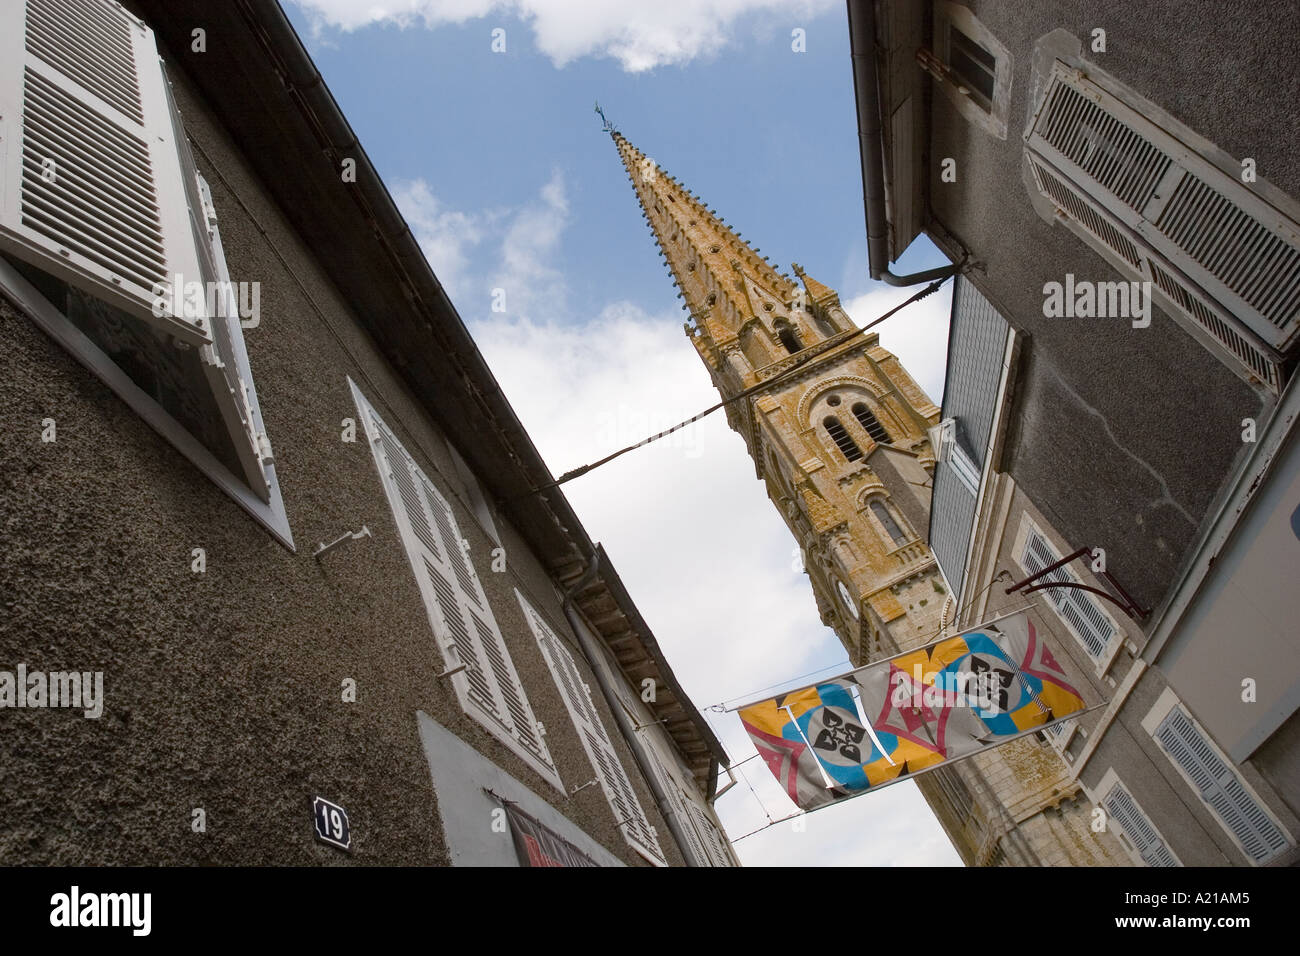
912,712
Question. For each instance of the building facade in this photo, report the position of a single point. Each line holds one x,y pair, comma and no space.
841,436
290,546
1118,418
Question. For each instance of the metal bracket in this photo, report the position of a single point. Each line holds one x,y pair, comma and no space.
346,536
1123,601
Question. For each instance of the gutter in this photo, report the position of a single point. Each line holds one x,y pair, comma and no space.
866,90
579,626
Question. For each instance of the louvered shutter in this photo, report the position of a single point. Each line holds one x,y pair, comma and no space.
93,190
1148,842
623,801
1227,260
488,688
715,849
1218,784
1078,608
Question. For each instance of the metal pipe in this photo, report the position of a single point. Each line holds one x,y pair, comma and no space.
866,88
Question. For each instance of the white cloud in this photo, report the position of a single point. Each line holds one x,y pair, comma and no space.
445,235
639,34
918,335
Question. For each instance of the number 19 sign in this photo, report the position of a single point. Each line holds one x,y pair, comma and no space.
331,823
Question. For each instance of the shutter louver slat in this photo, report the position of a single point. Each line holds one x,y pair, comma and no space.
1230,260
93,191
1081,612
465,648
1220,786
615,783
456,555
90,47
487,686
1146,840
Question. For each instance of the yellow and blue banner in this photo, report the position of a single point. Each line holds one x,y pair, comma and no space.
893,718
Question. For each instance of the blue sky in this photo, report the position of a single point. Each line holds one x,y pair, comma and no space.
499,164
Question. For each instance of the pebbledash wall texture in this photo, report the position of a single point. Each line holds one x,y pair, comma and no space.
223,689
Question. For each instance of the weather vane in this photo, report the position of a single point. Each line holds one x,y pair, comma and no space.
606,125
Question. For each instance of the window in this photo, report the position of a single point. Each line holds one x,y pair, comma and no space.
475,653
1223,259
887,522
1233,803
628,812
843,440
870,424
788,337
1135,826
116,232
952,452
1081,612
976,66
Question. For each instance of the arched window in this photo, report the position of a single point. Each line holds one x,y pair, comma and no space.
842,438
870,424
887,522
788,337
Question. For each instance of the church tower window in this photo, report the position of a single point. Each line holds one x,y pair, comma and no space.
788,337
870,424
842,438
887,522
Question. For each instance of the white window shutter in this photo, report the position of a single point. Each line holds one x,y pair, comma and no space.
717,852
1219,785
614,780
1079,609
1137,826
93,190
1227,261
488,688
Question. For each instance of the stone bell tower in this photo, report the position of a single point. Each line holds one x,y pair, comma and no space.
837,429
840,435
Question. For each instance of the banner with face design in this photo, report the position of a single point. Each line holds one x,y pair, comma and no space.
912,712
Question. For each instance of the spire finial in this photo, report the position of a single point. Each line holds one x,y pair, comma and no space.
606,126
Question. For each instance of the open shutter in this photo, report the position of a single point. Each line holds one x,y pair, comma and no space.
488,687
1146,839
1218,784
614,780
1227,261
93,190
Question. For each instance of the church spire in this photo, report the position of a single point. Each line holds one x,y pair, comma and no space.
734,295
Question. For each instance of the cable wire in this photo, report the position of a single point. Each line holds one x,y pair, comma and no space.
799,367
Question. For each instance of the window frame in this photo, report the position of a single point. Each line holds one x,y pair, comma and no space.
191,240
952,16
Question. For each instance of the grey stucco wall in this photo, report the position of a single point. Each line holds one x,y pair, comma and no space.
1125,435
1177,811
223,688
